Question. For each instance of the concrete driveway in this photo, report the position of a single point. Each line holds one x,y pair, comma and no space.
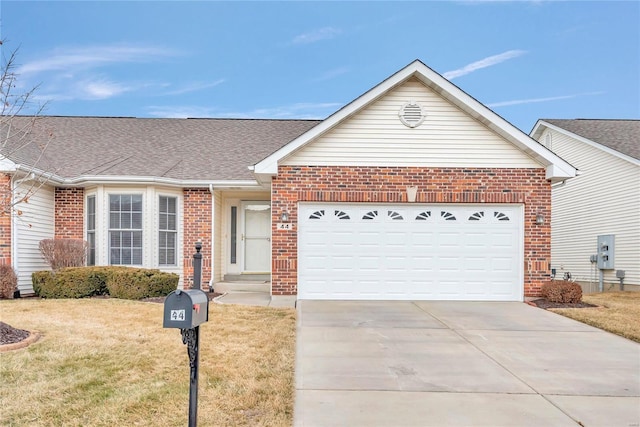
436,363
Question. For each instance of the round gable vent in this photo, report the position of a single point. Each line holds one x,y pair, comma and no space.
411,114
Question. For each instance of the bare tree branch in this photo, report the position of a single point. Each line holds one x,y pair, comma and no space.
24,137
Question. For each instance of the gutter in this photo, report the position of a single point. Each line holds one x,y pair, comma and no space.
84,180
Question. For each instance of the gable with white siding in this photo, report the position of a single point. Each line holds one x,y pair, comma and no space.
375,136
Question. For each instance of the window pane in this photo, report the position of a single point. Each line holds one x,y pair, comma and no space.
91,254
114,220
114,202
171,205
125,203
162,222
137,256
136,202
171,223
171,257
136,220
171,240
137,239
126,256
115,239
115,257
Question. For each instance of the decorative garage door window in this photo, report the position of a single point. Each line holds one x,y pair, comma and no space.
394,215
448,216
417,213
341,215
500,216
423,216
370,215
317,214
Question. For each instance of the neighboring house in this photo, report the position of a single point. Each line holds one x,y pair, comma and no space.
603,200
414,190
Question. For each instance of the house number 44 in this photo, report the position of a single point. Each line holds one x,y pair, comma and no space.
284,226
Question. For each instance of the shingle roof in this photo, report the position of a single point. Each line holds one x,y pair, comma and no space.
620,135
181,149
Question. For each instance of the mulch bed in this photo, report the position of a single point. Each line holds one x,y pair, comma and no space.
544,304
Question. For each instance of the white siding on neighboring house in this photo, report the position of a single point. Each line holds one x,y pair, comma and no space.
376,136
603,199
33,221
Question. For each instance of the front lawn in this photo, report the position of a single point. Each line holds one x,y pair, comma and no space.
617,312
109,362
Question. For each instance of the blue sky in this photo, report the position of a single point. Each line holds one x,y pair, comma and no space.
525,60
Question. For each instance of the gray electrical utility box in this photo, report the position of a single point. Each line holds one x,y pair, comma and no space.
606,246
186,309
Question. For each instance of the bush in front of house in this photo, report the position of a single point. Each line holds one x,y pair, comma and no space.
62,253
8,281
117,282
138,283
562,291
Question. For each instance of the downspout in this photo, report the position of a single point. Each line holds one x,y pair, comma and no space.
213,223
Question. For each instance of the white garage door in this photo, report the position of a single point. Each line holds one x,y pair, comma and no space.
404,252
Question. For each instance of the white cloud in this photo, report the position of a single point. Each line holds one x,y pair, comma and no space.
194,87
180,111
484,63
325,33
69,59
536,100
328,75
302,110
100,89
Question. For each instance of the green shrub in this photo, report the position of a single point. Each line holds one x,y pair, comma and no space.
118,282
44,284
8,281
81,282
562,291
138,283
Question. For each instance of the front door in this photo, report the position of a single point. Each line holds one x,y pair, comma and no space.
256,236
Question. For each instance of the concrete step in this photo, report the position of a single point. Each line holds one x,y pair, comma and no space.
266,277
243,286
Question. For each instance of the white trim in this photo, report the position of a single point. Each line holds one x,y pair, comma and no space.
557,168
537,131
87,180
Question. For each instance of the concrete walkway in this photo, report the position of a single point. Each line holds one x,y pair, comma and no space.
256,298
459,364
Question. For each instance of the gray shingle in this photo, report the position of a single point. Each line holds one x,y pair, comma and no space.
184,149
620,135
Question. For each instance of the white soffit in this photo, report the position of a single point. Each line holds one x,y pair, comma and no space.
557,169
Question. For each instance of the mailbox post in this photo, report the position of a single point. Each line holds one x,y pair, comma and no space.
187,310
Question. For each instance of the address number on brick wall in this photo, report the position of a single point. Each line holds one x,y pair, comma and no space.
284,226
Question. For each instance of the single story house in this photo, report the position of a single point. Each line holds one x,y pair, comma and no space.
414,190
603,200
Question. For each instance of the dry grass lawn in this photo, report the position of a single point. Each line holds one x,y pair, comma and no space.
109,362
617,312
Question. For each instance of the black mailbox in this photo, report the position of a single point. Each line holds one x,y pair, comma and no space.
186,309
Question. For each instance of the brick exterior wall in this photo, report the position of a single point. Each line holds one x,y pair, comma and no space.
5,219
69,213
197,228
295,184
